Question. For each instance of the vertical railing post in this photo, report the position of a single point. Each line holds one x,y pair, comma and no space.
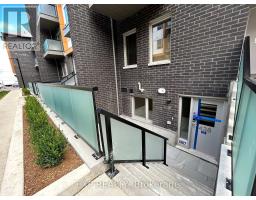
33,86
98,154
37,89
101,134
143,140
165,149
112,171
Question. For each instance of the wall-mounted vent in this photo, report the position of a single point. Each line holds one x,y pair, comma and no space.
124,89
208,110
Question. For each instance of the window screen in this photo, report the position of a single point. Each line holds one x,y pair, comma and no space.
208,110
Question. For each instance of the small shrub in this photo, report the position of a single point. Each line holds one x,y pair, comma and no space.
3,93
48,142
25,92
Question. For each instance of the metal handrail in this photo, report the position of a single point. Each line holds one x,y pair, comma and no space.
106,113
67,77
112,172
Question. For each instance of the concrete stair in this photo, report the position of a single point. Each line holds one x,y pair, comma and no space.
162,180
134,179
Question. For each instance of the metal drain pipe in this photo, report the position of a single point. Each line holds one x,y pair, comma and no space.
114,59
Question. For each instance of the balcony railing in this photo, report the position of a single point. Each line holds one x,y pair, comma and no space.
47,17
53,49
47,9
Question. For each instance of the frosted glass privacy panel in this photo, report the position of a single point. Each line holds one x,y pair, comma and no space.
103,128
244,165
154,147
63,107
84,116
238,132
75,107
46,95
30,87
126,141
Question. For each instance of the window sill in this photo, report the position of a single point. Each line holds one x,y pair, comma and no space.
141,119
130,66
163,62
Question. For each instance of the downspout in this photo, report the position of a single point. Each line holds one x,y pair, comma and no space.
114,60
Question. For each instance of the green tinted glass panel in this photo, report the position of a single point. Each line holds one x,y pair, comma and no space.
154,147
126,141
244,151
75,107
30,87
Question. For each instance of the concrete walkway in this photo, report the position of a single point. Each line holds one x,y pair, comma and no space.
8,106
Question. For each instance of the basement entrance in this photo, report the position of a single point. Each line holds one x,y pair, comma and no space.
202,124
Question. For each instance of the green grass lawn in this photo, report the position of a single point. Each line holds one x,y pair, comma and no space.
3,93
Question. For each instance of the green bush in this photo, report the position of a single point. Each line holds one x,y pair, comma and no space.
48,142
3,93
25,92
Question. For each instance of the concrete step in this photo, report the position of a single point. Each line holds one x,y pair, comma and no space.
190,187
129,183
155,177
147,180
168,171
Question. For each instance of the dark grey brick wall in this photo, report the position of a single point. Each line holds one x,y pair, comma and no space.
47,67
205,49
206,42
27,63
93,56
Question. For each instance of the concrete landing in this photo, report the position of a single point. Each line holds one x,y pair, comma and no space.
8,107
192,167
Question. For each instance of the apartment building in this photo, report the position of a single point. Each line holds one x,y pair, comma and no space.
162,65
53,61
165,67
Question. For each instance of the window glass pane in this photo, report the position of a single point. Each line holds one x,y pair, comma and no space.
150,108
131,49
161,41
139,107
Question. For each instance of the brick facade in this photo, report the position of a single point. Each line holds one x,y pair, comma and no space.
206,43
91,40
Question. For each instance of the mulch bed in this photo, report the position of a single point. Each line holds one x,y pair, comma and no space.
35,177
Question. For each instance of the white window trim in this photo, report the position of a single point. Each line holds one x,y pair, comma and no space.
142,119
130,32
151,24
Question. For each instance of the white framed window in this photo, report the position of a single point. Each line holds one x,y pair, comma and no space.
130,49
159,40
142,108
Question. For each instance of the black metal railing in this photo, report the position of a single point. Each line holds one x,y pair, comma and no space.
108,130
68,77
